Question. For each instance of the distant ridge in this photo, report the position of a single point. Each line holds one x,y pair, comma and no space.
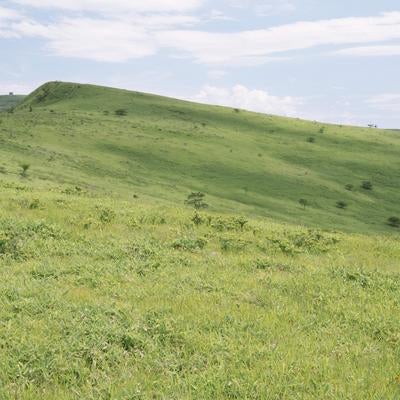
9,101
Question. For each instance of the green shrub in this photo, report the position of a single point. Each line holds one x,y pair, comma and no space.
228,224
15,237
394,222
366,185
311,139
349,187
189,244
341,204
34,204
197,219
24,170
309,241
121,112
229,244
106,215
304,203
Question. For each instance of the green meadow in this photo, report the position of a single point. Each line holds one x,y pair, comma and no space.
111,287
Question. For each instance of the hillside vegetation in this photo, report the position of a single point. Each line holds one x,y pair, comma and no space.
111,287
133,143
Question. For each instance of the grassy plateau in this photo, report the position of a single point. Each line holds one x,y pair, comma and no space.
112,288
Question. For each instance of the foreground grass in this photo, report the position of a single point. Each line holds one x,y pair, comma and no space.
108,299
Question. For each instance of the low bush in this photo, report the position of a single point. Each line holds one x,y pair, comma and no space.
121,112
366,185
310,241
341,204
229,244
106,215
189,244
394,222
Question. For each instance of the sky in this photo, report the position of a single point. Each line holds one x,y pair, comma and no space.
328,60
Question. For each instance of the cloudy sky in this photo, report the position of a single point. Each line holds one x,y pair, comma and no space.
331,60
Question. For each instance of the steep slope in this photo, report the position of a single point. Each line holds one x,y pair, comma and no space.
132,143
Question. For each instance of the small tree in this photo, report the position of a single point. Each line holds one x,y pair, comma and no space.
366,185
394,222
341,204
24,170
311,139
196,200
304,203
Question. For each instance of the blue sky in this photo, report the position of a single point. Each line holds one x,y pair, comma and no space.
332,60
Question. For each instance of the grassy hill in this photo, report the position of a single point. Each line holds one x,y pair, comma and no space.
112,288
7,102
162,148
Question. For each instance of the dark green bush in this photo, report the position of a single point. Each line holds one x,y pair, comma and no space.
197,219
24,170
394,222
106,215
366,185
304,203
341,204
34,204
121,112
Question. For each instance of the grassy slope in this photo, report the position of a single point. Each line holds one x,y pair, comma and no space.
7,102
107,296
258,164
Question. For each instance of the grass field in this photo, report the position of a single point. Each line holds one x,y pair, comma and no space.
112,288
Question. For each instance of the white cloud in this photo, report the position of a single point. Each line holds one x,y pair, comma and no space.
370,51
214,48
216,74
385,102
7,17
124,36
240,96
100,40
107,40
274,7
219,15
264,7
116,6
8,14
